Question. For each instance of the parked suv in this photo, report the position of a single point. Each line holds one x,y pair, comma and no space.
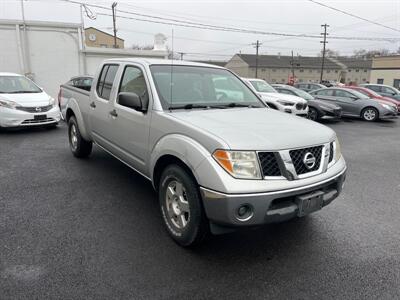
285,103
216,161
384,90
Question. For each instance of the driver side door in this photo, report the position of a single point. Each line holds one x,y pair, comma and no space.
348,102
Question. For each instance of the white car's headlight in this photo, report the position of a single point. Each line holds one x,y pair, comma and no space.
285,103
8,104
337,150
52,101
240,164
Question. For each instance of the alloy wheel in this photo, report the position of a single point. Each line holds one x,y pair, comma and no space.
177,205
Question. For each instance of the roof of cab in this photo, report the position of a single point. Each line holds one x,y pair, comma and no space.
155,61
9,74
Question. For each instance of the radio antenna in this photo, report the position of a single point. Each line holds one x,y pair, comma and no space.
172,64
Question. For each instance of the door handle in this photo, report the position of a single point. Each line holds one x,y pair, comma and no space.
113,113
92,104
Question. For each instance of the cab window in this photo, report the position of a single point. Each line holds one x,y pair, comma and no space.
106,80
133,81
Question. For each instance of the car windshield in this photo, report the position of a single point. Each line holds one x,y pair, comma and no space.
262,87
370,92
304,95
17,85
200,87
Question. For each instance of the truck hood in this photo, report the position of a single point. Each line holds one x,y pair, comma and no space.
29,99
278,96
257,128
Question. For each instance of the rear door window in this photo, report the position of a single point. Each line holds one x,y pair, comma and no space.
105,83
375,88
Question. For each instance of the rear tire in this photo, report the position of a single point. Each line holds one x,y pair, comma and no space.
181,207
370,114
79,146
313,114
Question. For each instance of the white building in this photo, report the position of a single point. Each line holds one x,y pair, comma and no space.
51,53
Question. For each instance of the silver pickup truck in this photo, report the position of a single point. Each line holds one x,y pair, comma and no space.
218,157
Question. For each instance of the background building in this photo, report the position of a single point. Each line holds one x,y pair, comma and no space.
50,53
97,38
386,70
278,68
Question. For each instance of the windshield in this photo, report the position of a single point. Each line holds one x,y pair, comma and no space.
304,95
262,87
359,95
17,85
191,87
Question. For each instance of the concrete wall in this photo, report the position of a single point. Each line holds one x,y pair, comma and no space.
51,53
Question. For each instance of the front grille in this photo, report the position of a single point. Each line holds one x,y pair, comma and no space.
32,121
36,109
331,152
269,164
298,157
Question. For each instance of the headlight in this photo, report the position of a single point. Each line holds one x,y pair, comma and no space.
240,164
285,103
337,149
52,101
8,104
386,106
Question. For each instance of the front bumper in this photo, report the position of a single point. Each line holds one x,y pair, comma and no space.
266,207
18,118
335,113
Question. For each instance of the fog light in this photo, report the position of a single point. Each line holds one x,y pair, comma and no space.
244,212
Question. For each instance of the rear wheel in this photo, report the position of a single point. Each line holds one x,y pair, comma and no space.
370,114
78,145
313,114
181,207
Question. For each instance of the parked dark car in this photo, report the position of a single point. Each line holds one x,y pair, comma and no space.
383,90
355,104
317,109
308,86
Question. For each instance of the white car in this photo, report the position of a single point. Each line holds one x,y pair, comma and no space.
282,102
23,103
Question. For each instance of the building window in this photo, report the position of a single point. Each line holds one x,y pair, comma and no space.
365,70
336,71
364,79
301,70
310,71
103,46
349,70
273,70
379,81
263,70
273,80
283,80
300,80
328,71
357,70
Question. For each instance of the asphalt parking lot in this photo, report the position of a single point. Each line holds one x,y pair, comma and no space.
91,229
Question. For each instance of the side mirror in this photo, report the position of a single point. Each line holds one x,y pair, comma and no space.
131,100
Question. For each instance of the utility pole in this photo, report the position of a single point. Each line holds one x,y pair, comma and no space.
292,63
324,42
257,45
114,19
181,54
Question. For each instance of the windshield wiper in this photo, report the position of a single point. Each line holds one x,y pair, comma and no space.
188,106
233,104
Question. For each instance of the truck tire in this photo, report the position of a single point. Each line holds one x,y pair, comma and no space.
181,207
79,146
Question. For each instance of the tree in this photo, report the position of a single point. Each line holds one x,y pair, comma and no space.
331,53
370,53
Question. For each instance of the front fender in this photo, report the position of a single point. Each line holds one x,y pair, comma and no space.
73,105
188,150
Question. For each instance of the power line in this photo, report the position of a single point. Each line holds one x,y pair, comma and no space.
181,23
354,16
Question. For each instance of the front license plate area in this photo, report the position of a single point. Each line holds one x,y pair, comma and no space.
309,203
40,117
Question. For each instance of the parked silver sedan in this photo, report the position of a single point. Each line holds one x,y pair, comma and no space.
355,104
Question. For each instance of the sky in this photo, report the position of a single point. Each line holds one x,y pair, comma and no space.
284,16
